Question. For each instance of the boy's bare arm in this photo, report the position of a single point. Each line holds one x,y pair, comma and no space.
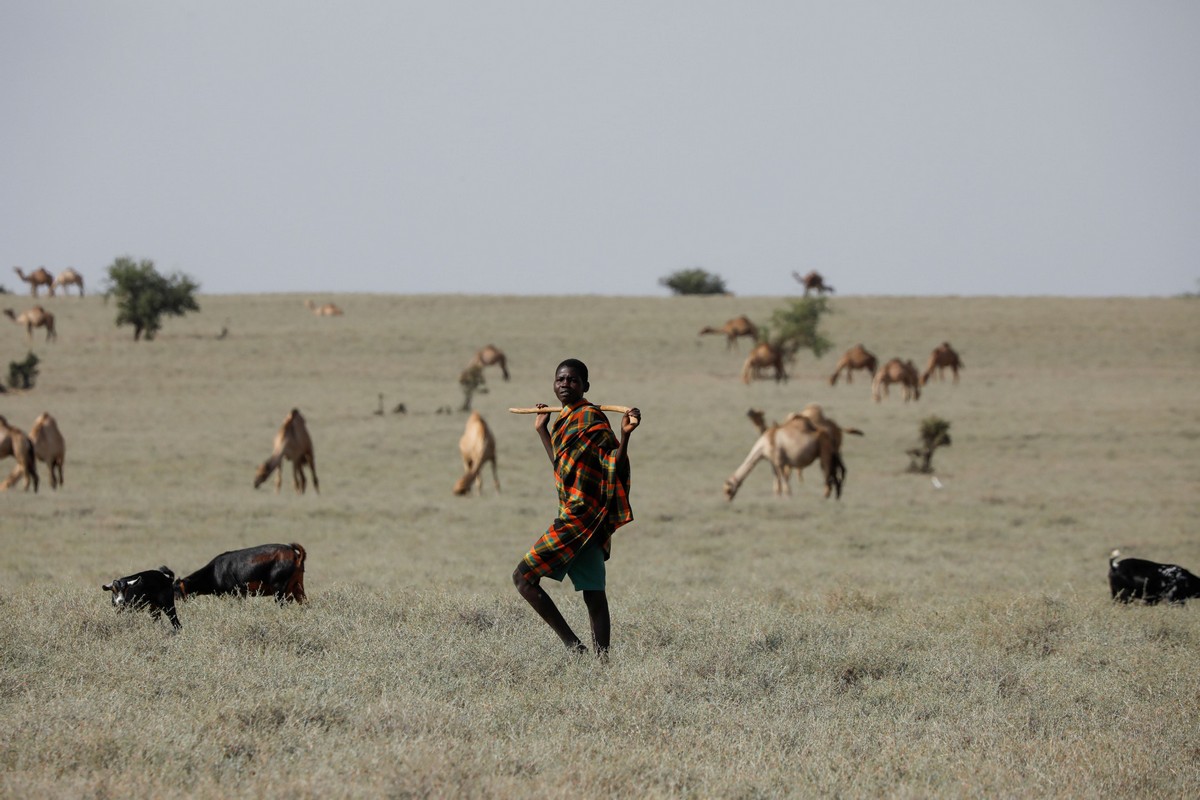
540,423
629,423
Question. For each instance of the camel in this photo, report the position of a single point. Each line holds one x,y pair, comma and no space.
857,357
36,317
486,357
734,328
291,442
68,277
326,310
36,279
943,356
762,356
14,442
813,282
791,446
814,415
477,446
897,371
49,446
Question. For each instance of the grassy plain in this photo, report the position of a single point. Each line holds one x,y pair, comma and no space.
904,641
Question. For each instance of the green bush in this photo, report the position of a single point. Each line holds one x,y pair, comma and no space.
143,295
797,327
694,281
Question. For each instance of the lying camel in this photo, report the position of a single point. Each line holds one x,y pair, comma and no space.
943,356
68,277
762,356
857,357
897,371
36,317
738,326
326,310
14,442
477,446
791,446
813,282
486,357
36,279
49,446
293,443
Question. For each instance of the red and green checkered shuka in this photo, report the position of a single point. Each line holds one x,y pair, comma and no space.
593,498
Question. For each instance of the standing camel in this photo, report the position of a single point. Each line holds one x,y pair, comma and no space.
762,356
487,356
293,443
36,279
36,317
857,357
734,328
897,371
14,442
791,446
477,446
943,356
326,310
49,446
68,277
813,282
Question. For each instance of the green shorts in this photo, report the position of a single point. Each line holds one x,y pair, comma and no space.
586,570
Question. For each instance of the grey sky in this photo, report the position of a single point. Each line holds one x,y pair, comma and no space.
561,147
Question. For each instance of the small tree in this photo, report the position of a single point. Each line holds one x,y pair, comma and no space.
694,281
796,327
935,433
143,295
23,374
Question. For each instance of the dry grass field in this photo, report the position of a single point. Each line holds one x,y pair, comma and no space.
905,641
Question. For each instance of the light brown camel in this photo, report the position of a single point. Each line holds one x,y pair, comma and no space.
791,446
813,282
943,356
36,317
36,279
738,326
49,446
762,356
897,371
857,357
291,442
14,442
68,277
814,415
326,310
486,357
477,446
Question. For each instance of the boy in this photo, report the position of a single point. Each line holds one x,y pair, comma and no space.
591,473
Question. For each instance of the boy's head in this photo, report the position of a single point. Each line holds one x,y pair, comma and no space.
571,381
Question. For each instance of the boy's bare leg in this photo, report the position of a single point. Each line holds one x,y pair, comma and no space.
546,609
597,606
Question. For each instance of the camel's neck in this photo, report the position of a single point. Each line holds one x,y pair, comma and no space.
757,453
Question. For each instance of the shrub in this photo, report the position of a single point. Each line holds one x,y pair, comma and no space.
694,281
143,295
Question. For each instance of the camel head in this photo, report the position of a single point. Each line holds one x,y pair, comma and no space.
8,312
731,488
261,475
463,485
759,418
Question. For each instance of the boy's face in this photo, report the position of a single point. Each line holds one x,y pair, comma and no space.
568,386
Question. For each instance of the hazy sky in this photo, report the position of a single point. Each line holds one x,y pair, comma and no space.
980,147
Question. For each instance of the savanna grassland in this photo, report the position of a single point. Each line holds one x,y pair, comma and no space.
904,641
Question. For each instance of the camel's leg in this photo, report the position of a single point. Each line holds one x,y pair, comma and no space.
298,479
495,476
312,467
278,478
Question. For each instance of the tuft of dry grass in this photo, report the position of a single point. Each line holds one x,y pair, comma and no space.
906,641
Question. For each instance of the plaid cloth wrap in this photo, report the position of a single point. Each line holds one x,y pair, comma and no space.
593,494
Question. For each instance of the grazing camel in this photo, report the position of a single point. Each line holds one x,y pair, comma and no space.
68,277
49,446
738,326
14,442
762,356
478,446
36,317
813,282
326,310
291,442
36,279
897,371
791,446
814,415
943,356
488,356
857,357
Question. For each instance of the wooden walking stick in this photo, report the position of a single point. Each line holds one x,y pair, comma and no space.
556,409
